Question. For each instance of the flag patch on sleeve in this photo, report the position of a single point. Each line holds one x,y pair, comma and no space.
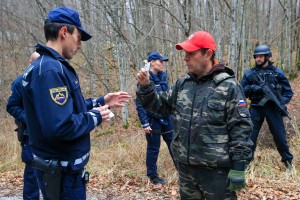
59,95
242,103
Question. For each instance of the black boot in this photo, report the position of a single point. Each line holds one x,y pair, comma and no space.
156,180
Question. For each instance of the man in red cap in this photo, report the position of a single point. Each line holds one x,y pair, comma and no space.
212,124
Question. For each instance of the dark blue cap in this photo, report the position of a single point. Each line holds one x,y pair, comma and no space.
68,16
156,56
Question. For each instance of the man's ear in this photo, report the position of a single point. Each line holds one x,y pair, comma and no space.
63,32
209,54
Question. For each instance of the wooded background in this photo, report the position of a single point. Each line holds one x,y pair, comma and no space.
125,31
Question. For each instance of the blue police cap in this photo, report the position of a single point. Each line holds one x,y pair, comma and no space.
156,56
68,16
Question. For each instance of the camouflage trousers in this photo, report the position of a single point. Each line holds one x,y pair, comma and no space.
204,183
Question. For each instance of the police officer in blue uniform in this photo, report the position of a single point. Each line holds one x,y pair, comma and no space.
15,108
155,125
265,72
59,118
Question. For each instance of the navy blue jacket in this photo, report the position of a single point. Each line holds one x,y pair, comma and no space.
15,102
161,84
59,118
273,76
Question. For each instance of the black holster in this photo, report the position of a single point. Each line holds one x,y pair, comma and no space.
20,131
52,176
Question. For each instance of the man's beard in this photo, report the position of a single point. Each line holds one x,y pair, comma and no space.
262,64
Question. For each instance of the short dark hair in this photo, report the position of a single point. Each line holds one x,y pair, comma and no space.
51,29
204,50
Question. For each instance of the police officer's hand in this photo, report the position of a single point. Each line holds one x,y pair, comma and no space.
118,99
256,88
143,77
148,130
236,180
104,112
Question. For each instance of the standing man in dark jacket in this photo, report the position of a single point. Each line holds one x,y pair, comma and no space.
155,125
265,73
59,118
212,124
16,109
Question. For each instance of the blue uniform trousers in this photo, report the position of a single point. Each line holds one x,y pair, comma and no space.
153,145
30,187
72,185
276,126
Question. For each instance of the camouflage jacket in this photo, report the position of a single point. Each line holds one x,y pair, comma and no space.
212,124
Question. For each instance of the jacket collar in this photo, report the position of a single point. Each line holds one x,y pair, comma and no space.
158,76
216,69
44,50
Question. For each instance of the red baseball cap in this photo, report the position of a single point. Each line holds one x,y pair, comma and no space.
196,41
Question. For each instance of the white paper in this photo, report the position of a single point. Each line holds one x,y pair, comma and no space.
147,66
111,115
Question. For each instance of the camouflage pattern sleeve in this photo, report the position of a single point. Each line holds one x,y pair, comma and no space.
239,125
161,103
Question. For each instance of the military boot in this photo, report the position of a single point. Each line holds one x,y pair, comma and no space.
156,180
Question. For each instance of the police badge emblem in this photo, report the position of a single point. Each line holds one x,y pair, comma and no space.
59,95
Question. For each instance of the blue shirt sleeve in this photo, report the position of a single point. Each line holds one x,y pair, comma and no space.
287,92
142,113
15,102
94,102
246,85
89,103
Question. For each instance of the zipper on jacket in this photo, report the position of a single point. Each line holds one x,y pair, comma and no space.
189,133
203,102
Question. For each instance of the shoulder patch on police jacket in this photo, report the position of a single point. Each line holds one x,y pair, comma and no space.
59,95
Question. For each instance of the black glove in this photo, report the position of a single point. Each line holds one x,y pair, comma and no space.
256,88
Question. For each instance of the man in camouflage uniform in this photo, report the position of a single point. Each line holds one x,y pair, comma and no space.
212,124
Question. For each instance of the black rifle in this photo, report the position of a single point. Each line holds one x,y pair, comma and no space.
270,96
52,176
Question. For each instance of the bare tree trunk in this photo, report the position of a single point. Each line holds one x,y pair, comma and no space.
233,41
257,18
244,63
147,26
290,36
297,34
282,51
120,52
121,55
268,27
217,31
186,8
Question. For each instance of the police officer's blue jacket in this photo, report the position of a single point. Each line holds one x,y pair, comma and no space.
161,84
59,118
272,76
15,102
